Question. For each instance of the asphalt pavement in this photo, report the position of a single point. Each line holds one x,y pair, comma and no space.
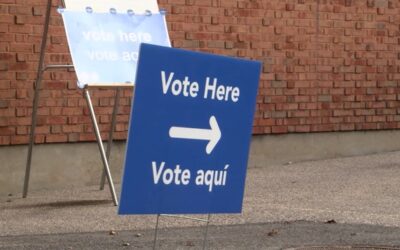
340,202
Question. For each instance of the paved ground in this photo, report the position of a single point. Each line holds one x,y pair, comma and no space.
284,206
248,236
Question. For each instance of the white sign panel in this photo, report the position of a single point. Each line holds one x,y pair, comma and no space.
104,46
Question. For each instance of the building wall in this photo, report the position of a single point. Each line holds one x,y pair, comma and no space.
328,65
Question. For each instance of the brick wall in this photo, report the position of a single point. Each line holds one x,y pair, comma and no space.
327,65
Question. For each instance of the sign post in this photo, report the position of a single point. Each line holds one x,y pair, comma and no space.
189,133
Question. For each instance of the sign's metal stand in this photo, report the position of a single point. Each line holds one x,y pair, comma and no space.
41,69
101,147
182,217
111,134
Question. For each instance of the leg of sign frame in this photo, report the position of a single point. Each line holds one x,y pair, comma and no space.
183,217
111,134
156,232
36,99
206,232
101,147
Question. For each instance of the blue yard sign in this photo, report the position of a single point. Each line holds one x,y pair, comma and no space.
105,47
189,133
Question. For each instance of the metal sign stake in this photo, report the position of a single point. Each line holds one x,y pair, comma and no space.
111,134
156,232
101,147
206,232
36,99
182,217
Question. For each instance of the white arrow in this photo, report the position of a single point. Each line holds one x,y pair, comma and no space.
213,134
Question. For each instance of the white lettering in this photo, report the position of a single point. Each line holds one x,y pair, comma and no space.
210,88
235,94
157,173
185,177
102,55
166,84
178,87
220,92
169,176
98,36
134,37
212,178
177,176
130,56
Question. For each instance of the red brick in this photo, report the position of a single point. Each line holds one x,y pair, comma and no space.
56,138
73,137
19,139
5,140
279,129
7,131
37,11
56,120
72,128
22,93
87,137
42,130
3,66
309,83
22,130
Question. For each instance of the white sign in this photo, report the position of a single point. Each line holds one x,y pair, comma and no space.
105,47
